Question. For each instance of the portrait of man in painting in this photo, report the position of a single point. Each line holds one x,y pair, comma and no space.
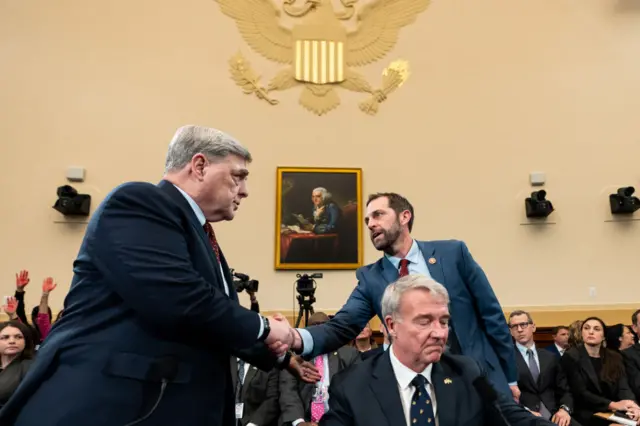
319,218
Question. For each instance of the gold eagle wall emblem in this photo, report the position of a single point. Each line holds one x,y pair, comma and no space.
320,53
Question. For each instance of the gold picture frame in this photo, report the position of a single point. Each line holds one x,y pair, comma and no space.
319,218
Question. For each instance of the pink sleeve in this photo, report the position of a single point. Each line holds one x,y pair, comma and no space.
44,324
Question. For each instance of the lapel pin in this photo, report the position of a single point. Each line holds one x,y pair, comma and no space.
432,260
447,381
335,353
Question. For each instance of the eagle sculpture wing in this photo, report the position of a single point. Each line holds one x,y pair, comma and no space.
379,25
257,21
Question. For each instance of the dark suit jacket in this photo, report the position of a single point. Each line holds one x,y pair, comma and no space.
259,395
632,366
587,388
373,352
478,320
551,387
554,350
296,396
146,303
368,395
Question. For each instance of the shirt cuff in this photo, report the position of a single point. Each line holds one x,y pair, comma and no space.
281,360
513,384
297,422
261,327
307,342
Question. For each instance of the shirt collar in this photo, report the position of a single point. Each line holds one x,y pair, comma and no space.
560,349
524,349
404,375
194,206
413,256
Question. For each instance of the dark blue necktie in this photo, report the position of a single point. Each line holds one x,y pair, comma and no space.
421,406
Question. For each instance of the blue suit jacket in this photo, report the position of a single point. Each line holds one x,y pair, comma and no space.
554,350
476,314
146,303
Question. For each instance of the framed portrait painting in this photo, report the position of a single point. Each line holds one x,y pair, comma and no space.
318,218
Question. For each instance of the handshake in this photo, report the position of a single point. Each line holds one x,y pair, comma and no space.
282,337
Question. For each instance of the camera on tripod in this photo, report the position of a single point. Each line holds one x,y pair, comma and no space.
243,282
305,284
306,288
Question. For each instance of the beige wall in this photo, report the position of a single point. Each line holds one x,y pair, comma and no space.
499,88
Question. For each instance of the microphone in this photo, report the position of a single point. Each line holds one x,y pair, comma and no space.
489,396
163,370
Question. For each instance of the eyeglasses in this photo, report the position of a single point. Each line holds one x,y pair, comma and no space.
522,325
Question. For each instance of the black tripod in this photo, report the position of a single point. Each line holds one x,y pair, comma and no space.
305,304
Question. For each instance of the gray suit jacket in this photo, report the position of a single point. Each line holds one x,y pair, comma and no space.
259,395
295,396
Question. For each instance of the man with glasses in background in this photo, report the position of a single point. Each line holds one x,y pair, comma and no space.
543,385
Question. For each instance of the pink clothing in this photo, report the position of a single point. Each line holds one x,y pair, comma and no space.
44,325
317,405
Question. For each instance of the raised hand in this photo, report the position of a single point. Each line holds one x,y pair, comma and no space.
48,285
22,279
10,307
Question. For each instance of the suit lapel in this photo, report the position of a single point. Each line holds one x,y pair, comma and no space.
544,366
385,388
387,270
251,373
334,363
233,294
588,367
447,391
435,269
523,369
181,201
234,371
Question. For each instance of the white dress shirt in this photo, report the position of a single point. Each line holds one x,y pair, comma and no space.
560,349
404,376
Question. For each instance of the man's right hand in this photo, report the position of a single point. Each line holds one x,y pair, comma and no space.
280,337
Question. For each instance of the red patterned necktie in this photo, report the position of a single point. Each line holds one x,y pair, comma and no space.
404,267
208,229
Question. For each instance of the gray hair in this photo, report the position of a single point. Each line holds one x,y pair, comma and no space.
520,312
191,140
323,193
394,292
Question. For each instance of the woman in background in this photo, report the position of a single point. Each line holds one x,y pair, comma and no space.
597,377
575,334
16,352
619,337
